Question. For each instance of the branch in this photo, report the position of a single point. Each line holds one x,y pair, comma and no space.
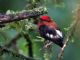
5,50
7,18
69,34
13,40
30,49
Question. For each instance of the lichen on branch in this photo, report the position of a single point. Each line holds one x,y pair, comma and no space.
24,14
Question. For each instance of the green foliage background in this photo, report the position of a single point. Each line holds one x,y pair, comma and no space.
60,11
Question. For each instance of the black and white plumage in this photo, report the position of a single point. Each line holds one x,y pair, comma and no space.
50,31
53,35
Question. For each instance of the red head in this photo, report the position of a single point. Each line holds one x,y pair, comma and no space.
45,18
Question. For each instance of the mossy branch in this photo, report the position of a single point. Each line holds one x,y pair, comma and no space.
69,34
22,15
6,50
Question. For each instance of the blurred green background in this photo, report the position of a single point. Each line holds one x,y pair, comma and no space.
61,12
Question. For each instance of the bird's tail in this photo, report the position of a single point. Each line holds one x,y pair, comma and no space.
60,44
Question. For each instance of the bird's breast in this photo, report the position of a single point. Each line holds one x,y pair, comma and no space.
52,25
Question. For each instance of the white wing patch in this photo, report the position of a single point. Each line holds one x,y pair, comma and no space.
47,34
59,33
52,36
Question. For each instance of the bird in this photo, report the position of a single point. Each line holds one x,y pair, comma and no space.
49,30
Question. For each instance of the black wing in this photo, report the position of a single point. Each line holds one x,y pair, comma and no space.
53,35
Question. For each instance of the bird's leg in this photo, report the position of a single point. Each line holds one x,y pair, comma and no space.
47,44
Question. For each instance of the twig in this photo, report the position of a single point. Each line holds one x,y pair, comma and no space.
7,18
13,40
69,34
6,50
30,49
